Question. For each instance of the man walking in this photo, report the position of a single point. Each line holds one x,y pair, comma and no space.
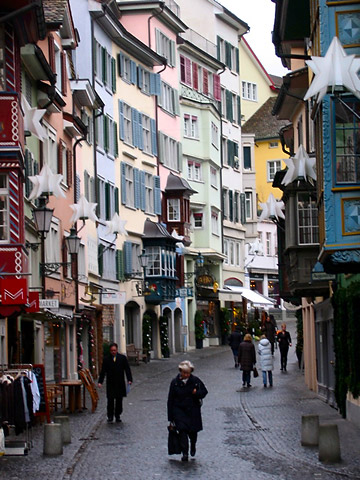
114,367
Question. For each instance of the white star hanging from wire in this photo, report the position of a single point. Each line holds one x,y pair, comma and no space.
116,226
32,117
83,210
178,237
46,182
272,209
336,69
300,167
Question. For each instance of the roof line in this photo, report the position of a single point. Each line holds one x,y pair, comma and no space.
260,64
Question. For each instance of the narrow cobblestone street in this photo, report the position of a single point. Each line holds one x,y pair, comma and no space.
252,434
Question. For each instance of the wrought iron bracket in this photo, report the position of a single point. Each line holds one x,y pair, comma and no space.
53,267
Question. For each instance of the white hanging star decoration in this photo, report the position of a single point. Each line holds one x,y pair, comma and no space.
272,209
333,70
46,182
178,244
83,210
32,117
116,226
256,248
300,167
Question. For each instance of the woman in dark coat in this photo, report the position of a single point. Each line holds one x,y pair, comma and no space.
184,407
284,340
247,359
234,341
114,367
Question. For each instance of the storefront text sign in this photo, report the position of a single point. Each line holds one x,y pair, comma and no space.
113,298
49,303
13,291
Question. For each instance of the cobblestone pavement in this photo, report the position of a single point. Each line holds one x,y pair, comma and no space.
249,434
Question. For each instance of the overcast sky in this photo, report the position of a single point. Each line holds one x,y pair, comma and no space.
259,15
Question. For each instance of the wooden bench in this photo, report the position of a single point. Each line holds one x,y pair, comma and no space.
135,354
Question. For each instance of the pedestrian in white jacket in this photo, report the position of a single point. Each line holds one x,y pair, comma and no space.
266,360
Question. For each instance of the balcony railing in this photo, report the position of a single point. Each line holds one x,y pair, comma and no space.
11,122
200,41
173,6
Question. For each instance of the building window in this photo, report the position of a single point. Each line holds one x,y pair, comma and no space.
213,177
247,158
49,148
248,205
249,91
129,185
173,208
308,228
168,98
225,203
268,243
149,192
194,170
165,47
127,125
191,127
169,152
214,223
4,208
273,166
214,135
273,144
198,219
146,126
347,141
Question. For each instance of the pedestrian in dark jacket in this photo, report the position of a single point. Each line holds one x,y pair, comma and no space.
235,338
284,340
269,330
114,367
184,407
247,359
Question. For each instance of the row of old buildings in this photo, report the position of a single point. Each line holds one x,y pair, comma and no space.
128,192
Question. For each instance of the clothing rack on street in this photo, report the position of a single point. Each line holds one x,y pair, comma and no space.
13,445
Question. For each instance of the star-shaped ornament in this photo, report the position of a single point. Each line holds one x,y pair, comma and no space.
116,226
46,182
83,210
300,167
336,69
272,209
32,117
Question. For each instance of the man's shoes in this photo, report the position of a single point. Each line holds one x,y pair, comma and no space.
243,384
118,419
285,369
192,450
248,385
185,458
109,420
265,386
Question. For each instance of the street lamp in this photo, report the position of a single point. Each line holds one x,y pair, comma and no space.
73,242
144,262
42,217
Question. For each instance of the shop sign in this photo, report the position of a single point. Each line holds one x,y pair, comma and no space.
13,291
49,303
113,298
322,276
32,305
205,280
184,292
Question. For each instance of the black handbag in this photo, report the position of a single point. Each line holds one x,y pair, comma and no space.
173,441
256,373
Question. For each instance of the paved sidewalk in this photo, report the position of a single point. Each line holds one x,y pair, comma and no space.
252,434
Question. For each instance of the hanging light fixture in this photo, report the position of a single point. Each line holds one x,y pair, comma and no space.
72,242
42,216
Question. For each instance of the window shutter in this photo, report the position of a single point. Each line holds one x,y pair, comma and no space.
142,191
195,75
137,187
106,133
107,202
101,249
121,120
242,208
121,64
140,71
103,65
59,158
237,67
140,132
229,108
236,149
228,55
97,189
175,94
236,207
95,44
155,84
128,258
63,73
116,143
217,87
78,181
113,75
172,53
230,152
134,125
157,195
231,206
187,71
238,109
120,265
69,167
123,182
179,153
161,147
205,82
157,40
218,45
92,190
87,186
182,68
154,149
51,43
116,200
133,72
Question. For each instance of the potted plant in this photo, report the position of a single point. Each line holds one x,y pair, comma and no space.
164,337
146,331
199,328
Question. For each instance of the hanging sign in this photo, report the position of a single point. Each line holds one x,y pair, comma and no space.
13,291
32,305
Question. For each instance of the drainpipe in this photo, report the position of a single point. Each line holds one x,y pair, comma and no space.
162,5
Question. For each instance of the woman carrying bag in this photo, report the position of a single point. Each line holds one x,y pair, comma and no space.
184,407
247,359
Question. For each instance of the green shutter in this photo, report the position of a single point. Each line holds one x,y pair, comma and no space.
116,200
237,66
120,273
103,61
218,47
101,249
107,202
242,208
106,133
116,143
113,75
231,206
238,109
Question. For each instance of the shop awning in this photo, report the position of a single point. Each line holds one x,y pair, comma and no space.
233,294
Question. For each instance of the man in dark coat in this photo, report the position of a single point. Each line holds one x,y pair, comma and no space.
184,407
247,358
234,341
114,367
269,330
